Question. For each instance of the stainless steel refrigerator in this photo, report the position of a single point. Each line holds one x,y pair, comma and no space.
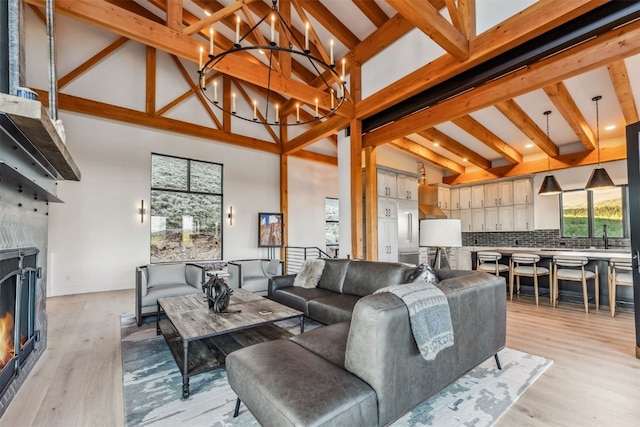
408,243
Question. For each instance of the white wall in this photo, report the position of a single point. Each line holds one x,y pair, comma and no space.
546,208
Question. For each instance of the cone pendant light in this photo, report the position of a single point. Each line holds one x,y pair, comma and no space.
599,177
550,185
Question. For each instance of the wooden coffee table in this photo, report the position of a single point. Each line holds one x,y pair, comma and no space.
200,339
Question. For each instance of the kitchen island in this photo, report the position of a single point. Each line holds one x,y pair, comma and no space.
568,291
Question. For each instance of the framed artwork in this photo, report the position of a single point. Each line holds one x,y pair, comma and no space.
269,230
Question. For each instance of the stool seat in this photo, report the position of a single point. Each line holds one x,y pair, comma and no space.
567,274
491,267
522,269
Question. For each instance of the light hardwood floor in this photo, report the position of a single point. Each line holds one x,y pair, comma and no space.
594,380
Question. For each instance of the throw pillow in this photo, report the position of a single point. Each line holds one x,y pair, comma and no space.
274,267
423,273
309,274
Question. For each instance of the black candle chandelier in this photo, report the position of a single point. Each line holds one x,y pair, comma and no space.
268,111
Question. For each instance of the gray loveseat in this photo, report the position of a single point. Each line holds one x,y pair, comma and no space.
155,281
368,371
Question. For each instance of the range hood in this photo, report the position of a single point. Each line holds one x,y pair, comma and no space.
430,211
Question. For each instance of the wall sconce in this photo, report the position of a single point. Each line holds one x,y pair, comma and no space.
230,215
141,211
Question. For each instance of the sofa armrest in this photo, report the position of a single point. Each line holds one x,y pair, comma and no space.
195,275
141,290
235,275
278,282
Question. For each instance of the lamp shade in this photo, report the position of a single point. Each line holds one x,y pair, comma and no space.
549,186
599,179
440,233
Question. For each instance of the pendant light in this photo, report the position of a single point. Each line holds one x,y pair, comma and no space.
549,186
599,177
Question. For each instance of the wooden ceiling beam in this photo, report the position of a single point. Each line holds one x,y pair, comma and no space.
564,161
174,14
455,147
424,153
428,20
316,157
620,79
456,19
396,27
126,115
127,24
372,11
535,20
467,11
214,17
86,65
563,101
323,130
516,115
488,138
619,43
329,21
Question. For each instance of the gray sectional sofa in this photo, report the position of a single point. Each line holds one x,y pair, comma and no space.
365,368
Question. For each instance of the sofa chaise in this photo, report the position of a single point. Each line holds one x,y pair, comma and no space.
367,370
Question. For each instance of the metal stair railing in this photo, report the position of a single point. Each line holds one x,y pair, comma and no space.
294,256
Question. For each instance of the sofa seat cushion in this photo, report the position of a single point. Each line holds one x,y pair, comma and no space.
329,342
291,386
332,309
160,291
298,298
255,284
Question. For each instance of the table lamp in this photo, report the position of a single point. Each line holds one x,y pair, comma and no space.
441,234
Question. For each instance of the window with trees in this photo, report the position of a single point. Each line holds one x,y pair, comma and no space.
585,213
186,209
332,228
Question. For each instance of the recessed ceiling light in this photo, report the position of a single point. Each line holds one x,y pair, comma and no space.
610,127
206,12
464,160
435,144
528,145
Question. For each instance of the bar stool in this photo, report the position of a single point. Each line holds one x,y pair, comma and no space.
527,265
488,262
577,273
619,274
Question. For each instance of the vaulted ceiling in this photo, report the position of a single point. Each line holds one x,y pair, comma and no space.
455,88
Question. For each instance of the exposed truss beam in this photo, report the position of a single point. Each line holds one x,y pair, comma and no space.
323,130
214,17
563,101
455,147
329,21
516,115
619,43
372,11
620,79
424,153
488,138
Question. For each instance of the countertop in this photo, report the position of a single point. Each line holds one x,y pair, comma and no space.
594,253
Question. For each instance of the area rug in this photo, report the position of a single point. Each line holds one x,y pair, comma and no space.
153,385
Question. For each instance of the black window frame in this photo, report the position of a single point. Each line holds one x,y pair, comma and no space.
591,214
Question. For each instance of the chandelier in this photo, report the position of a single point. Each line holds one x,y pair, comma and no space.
269,110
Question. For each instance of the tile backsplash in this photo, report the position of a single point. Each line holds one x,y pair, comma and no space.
539,239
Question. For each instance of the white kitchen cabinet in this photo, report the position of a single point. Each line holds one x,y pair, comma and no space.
523,217
498,194
522,191
387,208
465,219
477,196
407,187
454,194
444,198
498,218
477,220
387,239
387,186
463,258
465,198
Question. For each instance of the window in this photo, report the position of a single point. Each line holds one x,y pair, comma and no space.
186,209
584,213
332,229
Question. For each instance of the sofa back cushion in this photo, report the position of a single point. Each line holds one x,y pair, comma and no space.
166,274
252,268
366,277
333,274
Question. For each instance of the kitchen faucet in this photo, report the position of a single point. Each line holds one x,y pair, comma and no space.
605,236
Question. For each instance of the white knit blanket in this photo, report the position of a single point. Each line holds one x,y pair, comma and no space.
429,316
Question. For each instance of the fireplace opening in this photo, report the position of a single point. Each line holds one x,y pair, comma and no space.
18,275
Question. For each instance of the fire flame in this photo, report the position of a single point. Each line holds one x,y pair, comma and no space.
6,339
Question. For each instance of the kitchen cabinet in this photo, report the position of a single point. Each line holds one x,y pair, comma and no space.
465,198
498,193
454,194
444,198
477,220
465,220
387,208
387,186
477,196
523,217
407,187
498,218
522,191
387,239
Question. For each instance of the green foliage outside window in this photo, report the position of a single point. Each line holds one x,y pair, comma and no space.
606,207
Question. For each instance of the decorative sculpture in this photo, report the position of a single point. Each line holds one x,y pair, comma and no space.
218,294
